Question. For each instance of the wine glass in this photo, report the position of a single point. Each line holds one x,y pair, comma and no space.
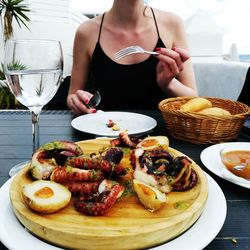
33,70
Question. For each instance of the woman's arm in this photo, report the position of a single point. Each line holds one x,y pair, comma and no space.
80,71
175,73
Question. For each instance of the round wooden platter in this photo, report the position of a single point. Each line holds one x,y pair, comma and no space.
127,225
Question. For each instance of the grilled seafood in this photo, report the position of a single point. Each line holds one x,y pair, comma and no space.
160,169
125,140
49,156
67,173
82,187
107,163
183,177
92,179
108,193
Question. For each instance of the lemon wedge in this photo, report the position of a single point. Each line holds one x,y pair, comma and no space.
150,197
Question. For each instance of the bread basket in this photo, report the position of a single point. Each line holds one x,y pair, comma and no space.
199,128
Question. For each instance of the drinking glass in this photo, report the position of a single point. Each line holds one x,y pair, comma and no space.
33,70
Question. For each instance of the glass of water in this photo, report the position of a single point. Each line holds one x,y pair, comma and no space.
33,70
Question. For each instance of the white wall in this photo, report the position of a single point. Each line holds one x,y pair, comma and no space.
50,20
63,32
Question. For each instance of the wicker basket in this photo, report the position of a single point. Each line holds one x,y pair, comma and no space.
199,128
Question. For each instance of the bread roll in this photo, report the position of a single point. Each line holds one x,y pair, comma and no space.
196,104
214,111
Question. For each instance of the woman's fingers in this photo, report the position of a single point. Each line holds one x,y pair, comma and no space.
172,58
77,106
78,101
184,54
83,96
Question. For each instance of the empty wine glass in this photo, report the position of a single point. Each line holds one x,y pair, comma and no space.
33,70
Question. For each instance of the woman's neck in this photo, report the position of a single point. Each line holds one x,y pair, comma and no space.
127,13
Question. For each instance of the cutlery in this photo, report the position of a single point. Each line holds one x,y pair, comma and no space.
94,100
138,49
132,50
240,167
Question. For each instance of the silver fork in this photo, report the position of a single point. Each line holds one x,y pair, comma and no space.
135,49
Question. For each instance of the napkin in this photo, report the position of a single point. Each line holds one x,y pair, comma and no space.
234,178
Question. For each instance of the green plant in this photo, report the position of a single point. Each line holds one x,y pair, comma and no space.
7,99
10,9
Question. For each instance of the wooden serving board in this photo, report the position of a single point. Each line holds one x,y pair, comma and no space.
127,225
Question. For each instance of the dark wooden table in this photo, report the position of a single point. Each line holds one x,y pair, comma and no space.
16,146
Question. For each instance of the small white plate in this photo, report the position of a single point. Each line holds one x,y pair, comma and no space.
197,237
210,157
95,123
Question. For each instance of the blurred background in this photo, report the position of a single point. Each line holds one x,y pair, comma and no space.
222,21
217,30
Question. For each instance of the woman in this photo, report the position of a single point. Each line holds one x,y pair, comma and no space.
138,81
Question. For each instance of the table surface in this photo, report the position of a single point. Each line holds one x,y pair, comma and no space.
16,146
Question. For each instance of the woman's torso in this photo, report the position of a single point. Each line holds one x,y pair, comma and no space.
124,86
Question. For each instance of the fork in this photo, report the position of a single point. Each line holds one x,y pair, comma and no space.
135,49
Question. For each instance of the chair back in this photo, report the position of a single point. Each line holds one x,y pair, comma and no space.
245,91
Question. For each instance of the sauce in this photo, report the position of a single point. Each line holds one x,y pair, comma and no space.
237,157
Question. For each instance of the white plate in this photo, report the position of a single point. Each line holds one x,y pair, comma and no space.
95,123
210,157
197,237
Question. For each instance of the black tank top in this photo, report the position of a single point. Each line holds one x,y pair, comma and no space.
125,86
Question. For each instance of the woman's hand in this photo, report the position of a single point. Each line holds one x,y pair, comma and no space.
170,64
76,102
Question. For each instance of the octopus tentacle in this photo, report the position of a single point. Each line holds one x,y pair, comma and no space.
87,162
117,142
102,201
108,163
49,156
86,188
160,169
62,146
62,174
113,155
127,140
124,140
184,185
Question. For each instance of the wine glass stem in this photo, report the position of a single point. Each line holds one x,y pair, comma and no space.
35,129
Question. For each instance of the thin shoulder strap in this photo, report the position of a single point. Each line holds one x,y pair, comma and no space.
155,22
100,29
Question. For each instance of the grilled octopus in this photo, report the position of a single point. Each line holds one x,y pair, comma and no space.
98,203
108,163
49,156
160,169
124,140
84,176
90,178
